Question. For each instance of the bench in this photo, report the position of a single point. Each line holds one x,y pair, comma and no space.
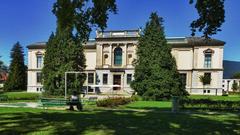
54,102
3,98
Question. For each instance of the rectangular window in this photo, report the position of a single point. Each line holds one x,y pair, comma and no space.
39,61
39,77
129,78
208,60
184,78
208,78
105,78
90,78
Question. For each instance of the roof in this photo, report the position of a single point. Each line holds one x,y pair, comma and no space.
41,45
3,76
174,41
194,41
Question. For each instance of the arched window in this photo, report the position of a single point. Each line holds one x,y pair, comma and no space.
39,57
208,58
118,56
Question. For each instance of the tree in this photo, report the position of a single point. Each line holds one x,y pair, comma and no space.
156,75
235,86
236,75
17,79
211,17
3,68
64,51
205,79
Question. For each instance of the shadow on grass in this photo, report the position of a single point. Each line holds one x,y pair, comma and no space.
153,121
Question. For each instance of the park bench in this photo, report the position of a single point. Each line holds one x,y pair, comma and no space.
54,102
3,98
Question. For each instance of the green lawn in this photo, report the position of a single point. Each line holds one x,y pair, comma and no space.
141,117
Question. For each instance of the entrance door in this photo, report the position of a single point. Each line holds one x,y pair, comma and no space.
116,81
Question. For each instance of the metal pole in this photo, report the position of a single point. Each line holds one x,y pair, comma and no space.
65,85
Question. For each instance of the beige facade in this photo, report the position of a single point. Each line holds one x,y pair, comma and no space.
227,84
110,56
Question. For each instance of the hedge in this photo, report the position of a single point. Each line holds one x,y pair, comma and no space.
209,104
21,95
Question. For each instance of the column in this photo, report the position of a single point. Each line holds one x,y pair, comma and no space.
99,55
125,55
110,55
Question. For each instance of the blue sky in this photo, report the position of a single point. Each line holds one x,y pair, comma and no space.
29,21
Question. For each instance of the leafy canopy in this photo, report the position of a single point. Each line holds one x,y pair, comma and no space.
211,17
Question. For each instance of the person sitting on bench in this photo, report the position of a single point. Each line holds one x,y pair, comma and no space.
74,101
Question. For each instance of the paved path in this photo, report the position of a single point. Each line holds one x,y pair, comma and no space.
20,104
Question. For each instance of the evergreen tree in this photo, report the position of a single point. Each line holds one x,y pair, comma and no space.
17,79
64,50
156,75
3,68
211,17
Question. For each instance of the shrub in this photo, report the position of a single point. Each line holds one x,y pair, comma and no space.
233,93
209,104
113,102
136,98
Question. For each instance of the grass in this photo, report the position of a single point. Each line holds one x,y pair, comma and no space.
164,105
141,117
226,98
21,96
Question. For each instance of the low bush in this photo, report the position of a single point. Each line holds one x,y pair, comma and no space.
21,95
136,98
209,104
233,93
113,102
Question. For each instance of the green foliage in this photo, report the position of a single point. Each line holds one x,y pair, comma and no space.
156,75
211,17
209,104
56,64
235,86
113,102
64,50
205,79
236,75
17,79
3,68
136,98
